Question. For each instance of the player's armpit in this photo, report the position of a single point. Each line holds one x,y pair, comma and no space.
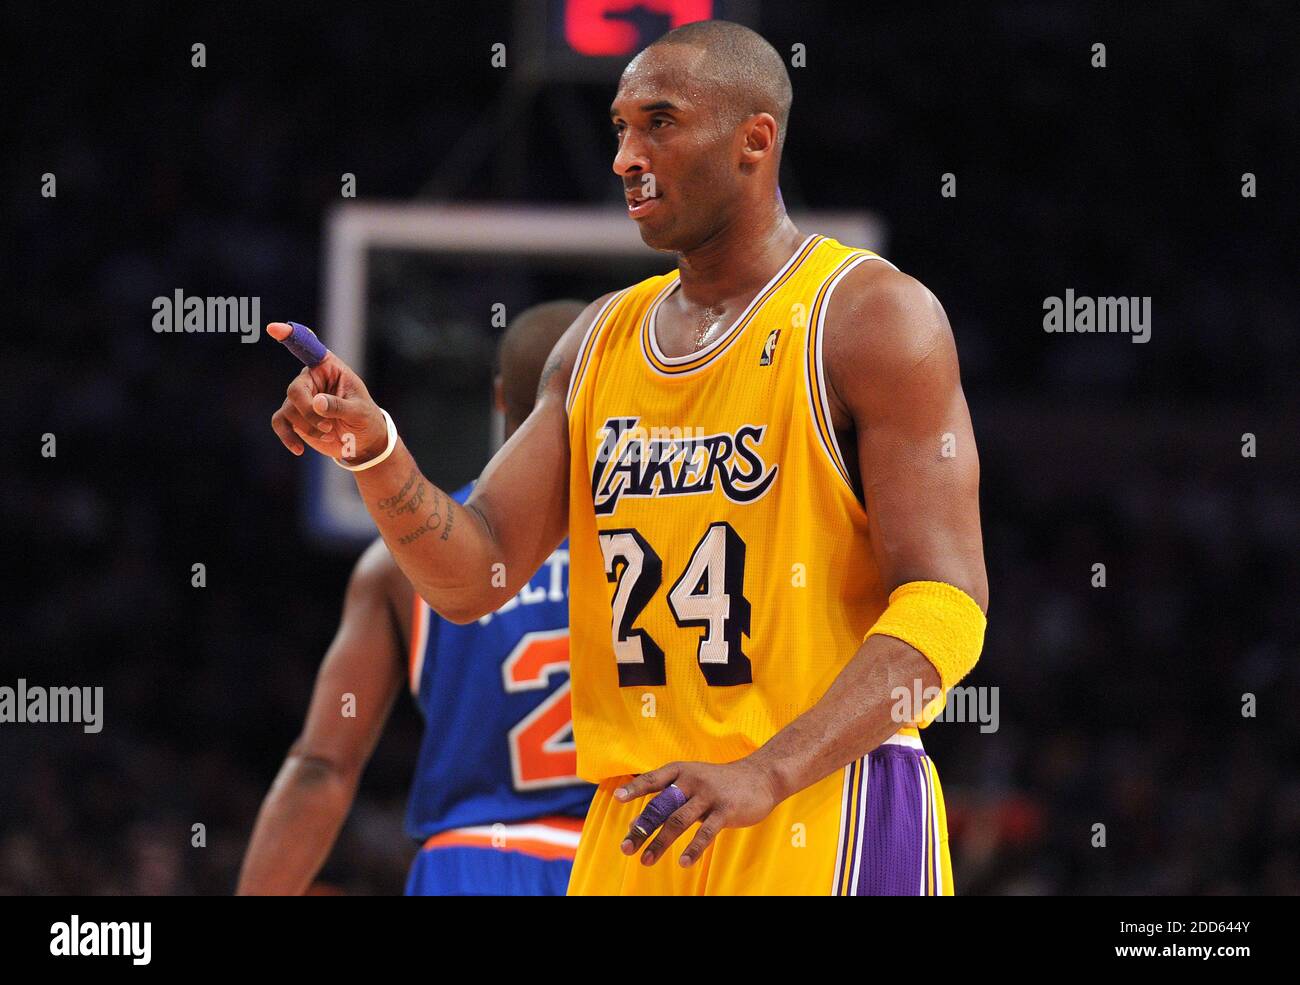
891,366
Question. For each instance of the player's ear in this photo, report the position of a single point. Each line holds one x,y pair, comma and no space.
498,393
760,132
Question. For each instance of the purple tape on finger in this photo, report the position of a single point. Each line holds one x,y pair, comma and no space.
302,342
659,810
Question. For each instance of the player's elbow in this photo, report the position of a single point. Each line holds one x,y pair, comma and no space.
966,571
309,770
462,609
462,616
466,605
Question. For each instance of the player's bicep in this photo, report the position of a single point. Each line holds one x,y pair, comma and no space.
920,474
362,673
916,447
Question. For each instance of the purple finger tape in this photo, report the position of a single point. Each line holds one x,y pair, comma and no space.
302,342
660,809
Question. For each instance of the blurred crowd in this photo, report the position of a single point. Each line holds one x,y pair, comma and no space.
1120,706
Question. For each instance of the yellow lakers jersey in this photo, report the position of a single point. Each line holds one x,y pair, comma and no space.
720,570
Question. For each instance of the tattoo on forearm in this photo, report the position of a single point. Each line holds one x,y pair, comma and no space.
432,521
441,517
437,511
405,500
412,504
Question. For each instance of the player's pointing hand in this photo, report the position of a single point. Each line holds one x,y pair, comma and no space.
717,796
327,406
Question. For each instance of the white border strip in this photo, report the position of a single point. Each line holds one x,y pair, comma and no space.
934,817
861,828
912,741
846,784
530,831
582,348
817,344
731,330
925,825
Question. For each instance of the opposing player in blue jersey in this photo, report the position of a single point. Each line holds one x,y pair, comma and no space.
495,800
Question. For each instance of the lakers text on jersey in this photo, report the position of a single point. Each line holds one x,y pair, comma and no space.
721,578
721,574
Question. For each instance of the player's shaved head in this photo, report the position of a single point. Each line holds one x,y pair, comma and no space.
704,110
744,72
523,351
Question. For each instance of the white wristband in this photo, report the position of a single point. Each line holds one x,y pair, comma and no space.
392,443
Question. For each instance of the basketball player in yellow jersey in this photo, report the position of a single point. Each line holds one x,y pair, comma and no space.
766,470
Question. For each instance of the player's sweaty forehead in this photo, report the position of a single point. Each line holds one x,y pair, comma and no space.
669,77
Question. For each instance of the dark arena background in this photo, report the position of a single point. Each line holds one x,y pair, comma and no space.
358,167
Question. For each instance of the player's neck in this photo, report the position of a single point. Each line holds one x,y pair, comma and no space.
739,259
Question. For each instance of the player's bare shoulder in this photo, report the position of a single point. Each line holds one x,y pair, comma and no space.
882,326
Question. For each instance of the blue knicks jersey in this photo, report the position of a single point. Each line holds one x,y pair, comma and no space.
498,737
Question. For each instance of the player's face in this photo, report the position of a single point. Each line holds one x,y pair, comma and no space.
675,151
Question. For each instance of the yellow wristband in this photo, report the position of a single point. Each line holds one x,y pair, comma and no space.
941,621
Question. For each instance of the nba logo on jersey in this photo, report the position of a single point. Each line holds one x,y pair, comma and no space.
699,484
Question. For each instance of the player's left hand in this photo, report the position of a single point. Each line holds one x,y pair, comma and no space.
726,795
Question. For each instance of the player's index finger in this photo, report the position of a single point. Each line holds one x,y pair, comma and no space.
302,342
